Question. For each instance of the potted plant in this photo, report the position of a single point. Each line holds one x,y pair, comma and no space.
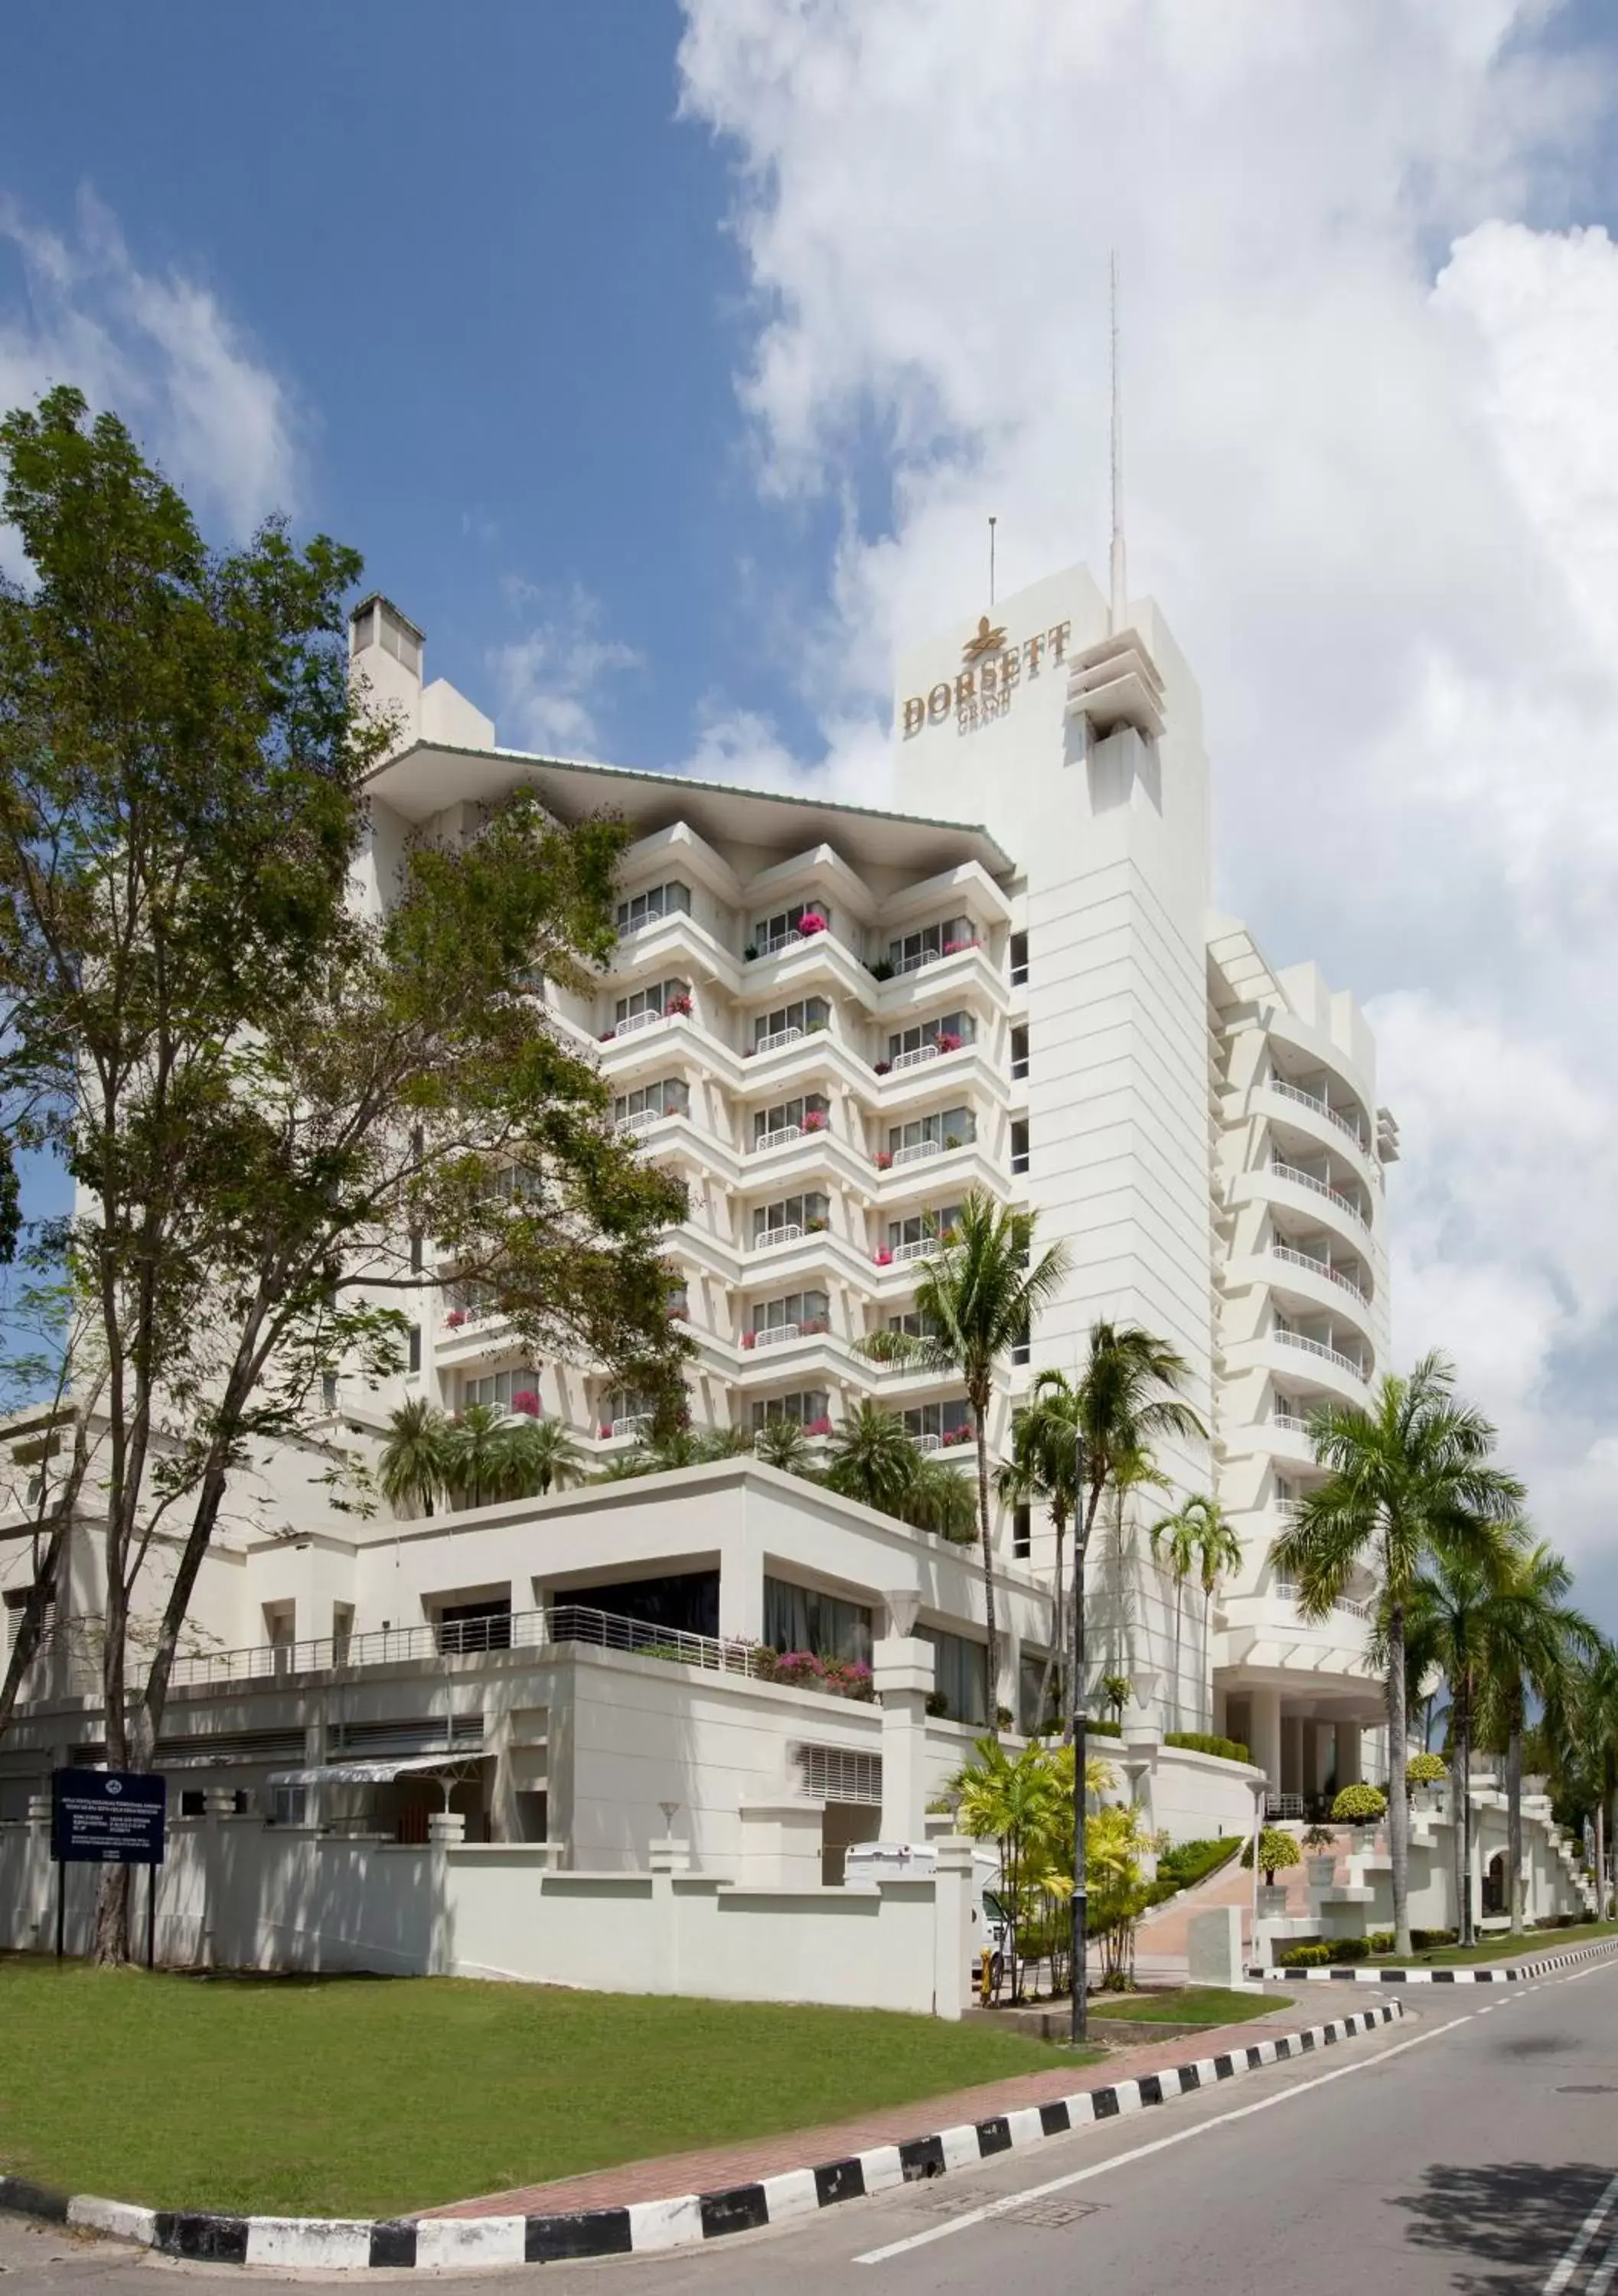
525,1403
749,952
1321,1868
948,1041
881,970
882,1068
681,1004
1115,1689
882,1257
814,1120
812,921
1276,1851
884,1158
750,1338
455,1318
821,1426
952,1139
1424,1774
1362,1806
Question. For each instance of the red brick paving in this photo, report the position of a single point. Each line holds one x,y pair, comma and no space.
724,2166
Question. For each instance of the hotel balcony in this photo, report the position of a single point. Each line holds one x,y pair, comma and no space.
1290,1360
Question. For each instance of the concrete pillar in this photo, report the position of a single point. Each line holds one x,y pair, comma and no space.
1265,1749
903,1670
1350,1771
1292,1754
667,1853
955,1939
1213,1945
781,1845
445,1827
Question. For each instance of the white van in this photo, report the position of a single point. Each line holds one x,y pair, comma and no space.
871,1862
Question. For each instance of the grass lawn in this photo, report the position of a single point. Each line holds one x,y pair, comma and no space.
1186,2005
1533,1945
370,2096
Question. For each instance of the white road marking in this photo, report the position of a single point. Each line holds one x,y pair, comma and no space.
1564,2271
971,2217
1603,2279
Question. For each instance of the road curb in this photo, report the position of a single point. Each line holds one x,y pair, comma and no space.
1351,1973
645,2227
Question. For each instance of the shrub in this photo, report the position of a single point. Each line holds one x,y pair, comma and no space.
1425,1770
525,1403
812,921
749,952
880,970
800,1667
1098,1729
1307,1956
883,1159
1360,1805
1360,1948
1190,1862
952,1139
821,1426
883,1257
948,1041
1275,1850
882,1068
1319,1837
814,1120
1204,1742
681,1004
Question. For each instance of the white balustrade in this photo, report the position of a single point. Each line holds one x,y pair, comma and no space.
1319,1348
1284,1171
767,1238
776,1038
917,1152
1318,1267
1321,1107
779,1138
773,1335
914,1060
634,1023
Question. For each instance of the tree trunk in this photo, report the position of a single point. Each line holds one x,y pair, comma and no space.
1053,1667
1179,1620
1463,1823
1514,1811
1207,1653
31,1619
993,1658
111,1940
1601,1857
1398,1801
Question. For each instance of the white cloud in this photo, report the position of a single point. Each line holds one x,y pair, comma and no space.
1371,458
158,348
550,684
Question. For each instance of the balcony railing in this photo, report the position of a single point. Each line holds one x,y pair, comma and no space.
1321,1107
565,1623
928,1442
776,1038
635,1022
779,1138
914,1060
917,1152
633,1423
775,1335
1318,1267
1347,1603
904,1253
1319,1348
1284,1171
1291,1420
767,1238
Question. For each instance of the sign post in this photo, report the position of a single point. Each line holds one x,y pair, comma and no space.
107,1818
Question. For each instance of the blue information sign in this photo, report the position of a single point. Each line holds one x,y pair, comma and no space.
107,1817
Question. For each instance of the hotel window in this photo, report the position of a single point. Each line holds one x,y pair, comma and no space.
950,1127
803,1407
1019,1145
938,1419
914,949
653,1000
414,1363
960,1675
803,1619
804,1018
786,925
912,1325
498,1387
959,1026
808,1213
1019,960
1022,1533
809,1310
673,899
806,1113
1018,1053
627,1403
670,1097
922,1228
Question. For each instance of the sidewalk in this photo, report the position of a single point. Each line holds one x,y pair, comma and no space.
730,2165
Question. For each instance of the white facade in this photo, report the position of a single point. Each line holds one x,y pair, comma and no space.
833,1023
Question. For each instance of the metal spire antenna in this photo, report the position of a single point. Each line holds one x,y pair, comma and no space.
992,558
1119,606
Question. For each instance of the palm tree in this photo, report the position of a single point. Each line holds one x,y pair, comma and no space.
1593,1732
976,1298
477,1454
411,1464
873,1459
1128,1396
1532,1639
1405,1477
1042,1471
780,1442
540,1457
1201,1543
940,1500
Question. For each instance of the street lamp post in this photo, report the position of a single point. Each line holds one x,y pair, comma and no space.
1079,1956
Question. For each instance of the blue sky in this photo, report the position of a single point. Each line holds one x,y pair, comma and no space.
665,361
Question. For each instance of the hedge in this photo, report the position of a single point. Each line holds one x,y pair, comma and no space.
1202,1741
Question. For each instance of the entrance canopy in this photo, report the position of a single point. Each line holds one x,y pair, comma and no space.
448,1767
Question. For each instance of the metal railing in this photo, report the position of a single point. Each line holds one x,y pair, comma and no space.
1284,1171
928,1442
903,1253
776,1037
772,946
917,1152
1321,1108
914,1059
1319,1348
789,1232
779,1138
773,1335
1349,1603
1318,1267
1290,1420
635,1022
633,1423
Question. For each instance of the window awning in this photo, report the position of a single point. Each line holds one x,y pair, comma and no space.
379,1774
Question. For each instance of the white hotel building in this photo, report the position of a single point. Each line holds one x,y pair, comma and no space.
832,1022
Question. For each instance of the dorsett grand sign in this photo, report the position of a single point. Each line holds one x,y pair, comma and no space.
994,667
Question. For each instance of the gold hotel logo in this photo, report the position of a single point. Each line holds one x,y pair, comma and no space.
993,671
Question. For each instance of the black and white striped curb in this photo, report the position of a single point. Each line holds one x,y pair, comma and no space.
1351,1973
316,2242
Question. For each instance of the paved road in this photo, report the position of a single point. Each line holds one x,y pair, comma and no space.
1471,2151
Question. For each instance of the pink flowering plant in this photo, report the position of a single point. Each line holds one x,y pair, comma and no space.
812,921
814,1120
525,1403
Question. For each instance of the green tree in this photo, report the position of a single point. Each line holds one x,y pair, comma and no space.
410,1466
873,1459
1043,1470
1588,1745
1200,1543
1533,1639
1405,1479
541,1456
939,1499
976,1298
780,1442
260,1092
